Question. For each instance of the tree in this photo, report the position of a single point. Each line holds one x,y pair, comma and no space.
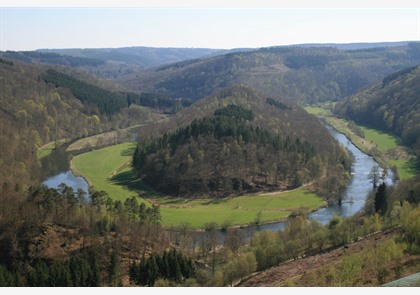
381,199
374,176
234,239
211,237
114,271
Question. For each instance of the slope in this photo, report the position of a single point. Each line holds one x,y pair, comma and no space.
34,113
392,105
301,74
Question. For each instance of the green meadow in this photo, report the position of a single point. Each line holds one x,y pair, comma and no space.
383,141
109,169
49,148
318,111
101,166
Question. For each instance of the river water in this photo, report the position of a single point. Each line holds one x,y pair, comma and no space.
57,171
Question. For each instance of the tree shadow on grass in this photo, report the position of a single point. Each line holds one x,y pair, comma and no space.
412,167
128,151
130,180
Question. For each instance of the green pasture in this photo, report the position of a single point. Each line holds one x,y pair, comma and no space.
49,148
110,169
318,111
406,169
237,210
383,141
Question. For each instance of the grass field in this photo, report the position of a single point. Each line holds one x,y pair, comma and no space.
48,148
238,210
100,166
318,111
383,141
109,169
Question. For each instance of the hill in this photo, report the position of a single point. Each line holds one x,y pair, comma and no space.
145,57
309,271
34,113
112,62
238,140
392,105
301,74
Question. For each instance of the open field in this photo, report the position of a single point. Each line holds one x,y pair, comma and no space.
98,167
382,140
238,210
318,111
110,169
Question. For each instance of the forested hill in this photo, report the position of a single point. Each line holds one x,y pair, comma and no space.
392,105
112,62
239,140
145,57
33,113
301,74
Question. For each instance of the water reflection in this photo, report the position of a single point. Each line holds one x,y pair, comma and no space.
69,179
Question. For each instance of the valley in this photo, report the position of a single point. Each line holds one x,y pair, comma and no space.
235,162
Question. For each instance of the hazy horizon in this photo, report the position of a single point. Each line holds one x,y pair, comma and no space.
32,28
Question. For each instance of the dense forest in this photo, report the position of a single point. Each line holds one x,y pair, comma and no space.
391,105
158,102
259,143
300,74
107,102
224,155
52,58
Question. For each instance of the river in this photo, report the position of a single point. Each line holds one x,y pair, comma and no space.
57,172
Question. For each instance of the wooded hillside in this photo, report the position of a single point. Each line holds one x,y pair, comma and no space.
300,74
392,105
238,140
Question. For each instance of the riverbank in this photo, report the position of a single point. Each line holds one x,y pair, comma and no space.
385,148
106,169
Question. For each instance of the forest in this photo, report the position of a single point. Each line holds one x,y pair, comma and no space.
209,127
300,74
106,102
224,155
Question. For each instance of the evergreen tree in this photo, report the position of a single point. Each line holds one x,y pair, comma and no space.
134,273
114,271
143,274
381,199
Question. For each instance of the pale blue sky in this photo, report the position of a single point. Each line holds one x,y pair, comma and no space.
34,28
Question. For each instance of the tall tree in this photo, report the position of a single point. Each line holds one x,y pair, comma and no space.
381,199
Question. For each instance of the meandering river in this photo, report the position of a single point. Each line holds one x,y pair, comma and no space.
57,172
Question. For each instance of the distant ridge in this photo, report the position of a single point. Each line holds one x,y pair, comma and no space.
350,46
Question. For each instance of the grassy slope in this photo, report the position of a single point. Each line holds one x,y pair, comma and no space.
384,142
109,169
